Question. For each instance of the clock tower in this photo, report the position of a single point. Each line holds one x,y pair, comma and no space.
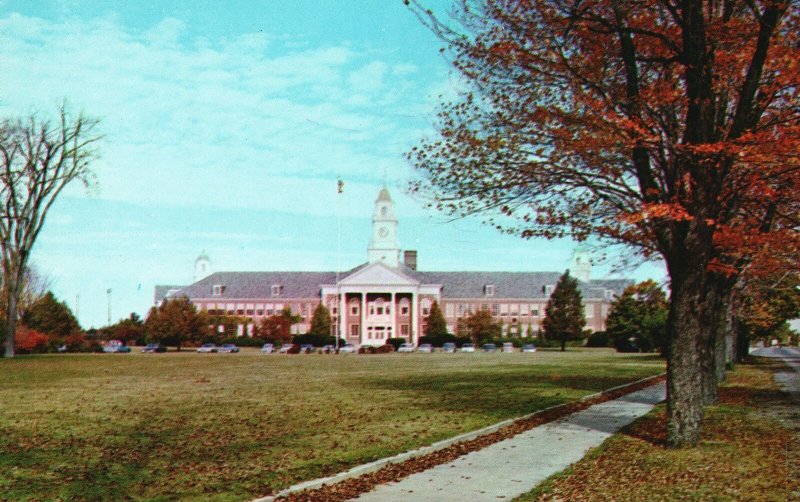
383,247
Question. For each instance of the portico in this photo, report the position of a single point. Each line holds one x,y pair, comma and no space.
378,302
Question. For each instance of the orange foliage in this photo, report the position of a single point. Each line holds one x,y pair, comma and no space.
605,119
29,341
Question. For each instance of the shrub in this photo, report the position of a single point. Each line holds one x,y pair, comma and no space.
79,343
598,339
384,349
438,340
243,341
316,340
396,342
515,340
30,341
461,340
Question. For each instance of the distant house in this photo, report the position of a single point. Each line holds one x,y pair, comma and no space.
387,297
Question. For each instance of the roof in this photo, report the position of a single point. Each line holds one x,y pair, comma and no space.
384,195
513,284
163,290
241,285
508,285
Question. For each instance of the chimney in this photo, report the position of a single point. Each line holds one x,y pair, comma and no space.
410,259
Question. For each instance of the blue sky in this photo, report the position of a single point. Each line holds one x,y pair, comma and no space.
226,126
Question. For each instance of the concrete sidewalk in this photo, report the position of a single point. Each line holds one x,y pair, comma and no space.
514,466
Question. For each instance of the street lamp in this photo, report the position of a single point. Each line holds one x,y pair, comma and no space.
340,320
108,295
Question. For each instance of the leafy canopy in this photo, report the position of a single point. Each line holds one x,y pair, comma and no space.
176,322
51,317
437,325
564,314
480,327
321,321
638,319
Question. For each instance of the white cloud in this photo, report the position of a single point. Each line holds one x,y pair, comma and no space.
368,78
189,122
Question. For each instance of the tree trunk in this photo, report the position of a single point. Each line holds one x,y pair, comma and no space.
722,346
712,315
685,395
690,337
11,323
742,343
563,343
718,312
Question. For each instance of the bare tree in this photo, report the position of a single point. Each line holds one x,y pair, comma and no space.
34,286
38,158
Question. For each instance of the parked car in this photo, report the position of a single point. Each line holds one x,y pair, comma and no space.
468,347
529,347
115,346
152,348
208,347
229,348
307,348
328,349
406,347
267,348
489,347
348,349
285,348
508,347
425,347
449,348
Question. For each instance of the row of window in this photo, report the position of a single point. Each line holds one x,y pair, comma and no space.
219,289
547,290
497,309
256,310
505,309
381,308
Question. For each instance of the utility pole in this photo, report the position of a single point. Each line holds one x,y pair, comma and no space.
339,322
108,294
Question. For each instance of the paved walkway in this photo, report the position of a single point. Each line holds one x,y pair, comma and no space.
789,381
514,466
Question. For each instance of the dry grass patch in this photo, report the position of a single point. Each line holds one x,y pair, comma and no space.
236,426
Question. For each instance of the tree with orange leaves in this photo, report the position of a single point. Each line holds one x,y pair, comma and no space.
669,127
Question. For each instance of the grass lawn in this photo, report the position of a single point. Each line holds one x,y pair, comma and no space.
746,453
236,426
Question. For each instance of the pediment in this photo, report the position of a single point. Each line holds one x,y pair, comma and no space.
378,274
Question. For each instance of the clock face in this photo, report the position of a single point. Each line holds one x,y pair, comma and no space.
383,231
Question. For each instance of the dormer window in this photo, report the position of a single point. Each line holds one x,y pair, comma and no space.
488,290
276,289
217,289
548,290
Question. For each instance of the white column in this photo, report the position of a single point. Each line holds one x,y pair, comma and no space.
394,316
414,319
363,316
342,315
